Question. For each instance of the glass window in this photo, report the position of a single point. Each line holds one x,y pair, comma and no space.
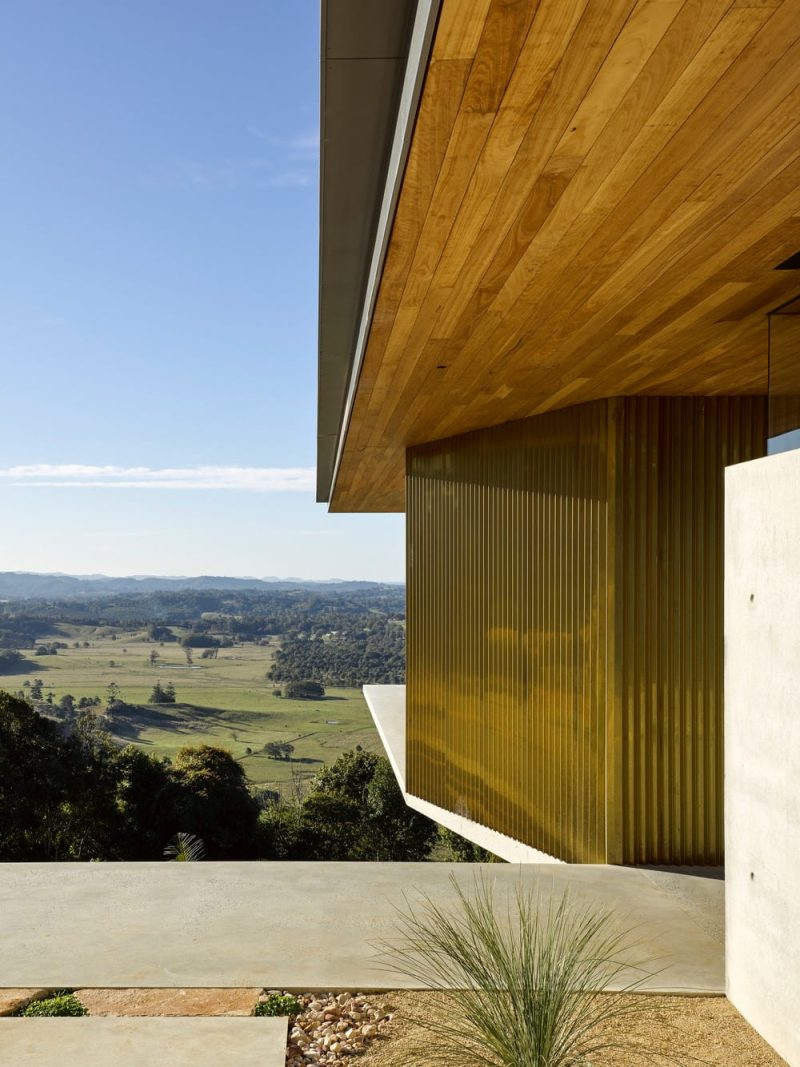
784,378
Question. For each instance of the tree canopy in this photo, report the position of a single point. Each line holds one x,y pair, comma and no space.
304,690
68,793
354,810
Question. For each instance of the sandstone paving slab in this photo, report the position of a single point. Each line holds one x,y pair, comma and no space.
305,926
12,1000
169,1002
126,1042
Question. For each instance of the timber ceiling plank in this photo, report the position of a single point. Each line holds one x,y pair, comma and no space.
587,48
656,192
596,196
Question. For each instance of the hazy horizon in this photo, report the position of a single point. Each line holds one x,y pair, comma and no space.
184,577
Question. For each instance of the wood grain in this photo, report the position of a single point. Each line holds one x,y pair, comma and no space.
597,194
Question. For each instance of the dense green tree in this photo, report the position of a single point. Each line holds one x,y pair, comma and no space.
147,801
11,661
332,827
56,789
396,832
280,829
34,774
155,632
279,750
390,830
199,640
163,694
460,850
73,795
213,802
348,776
304,689
354,810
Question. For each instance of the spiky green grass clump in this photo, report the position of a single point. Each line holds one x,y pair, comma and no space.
62,1002
185,848
522,982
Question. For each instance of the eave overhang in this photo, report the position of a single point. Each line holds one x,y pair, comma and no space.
595,200
365,51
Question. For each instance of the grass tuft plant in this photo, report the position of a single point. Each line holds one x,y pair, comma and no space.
523,984
185,848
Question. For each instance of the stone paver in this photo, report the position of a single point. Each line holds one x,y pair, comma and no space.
88,1042
300,926
171,1002
12,1000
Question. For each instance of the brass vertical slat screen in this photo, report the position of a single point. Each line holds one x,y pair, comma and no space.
507,581
564,625
671,527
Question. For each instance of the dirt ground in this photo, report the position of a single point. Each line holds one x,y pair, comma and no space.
688,1030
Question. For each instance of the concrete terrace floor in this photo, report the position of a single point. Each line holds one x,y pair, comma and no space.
307,926
99,1042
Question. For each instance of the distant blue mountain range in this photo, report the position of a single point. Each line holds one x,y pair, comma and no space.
28,586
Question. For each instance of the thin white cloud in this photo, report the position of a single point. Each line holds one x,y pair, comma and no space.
224,174
303,145
279,162
292,179
244,479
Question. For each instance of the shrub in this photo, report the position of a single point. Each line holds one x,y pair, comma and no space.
278,1004
62,1002
528,978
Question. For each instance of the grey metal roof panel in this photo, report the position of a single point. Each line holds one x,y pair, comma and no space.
364,52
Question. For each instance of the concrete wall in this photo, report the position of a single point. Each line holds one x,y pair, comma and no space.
762,746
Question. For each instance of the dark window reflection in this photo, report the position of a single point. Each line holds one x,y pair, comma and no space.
784,378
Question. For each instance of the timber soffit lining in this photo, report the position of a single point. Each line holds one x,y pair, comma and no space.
596,196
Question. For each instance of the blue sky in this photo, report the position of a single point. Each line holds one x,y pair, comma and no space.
158,217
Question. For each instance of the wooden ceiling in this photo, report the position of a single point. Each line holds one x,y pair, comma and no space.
596,197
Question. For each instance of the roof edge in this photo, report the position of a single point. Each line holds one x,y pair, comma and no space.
330,445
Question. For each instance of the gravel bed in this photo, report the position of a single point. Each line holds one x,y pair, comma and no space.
687,1030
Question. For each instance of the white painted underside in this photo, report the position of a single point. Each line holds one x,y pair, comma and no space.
387,705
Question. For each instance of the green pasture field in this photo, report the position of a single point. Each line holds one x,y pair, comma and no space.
225,701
